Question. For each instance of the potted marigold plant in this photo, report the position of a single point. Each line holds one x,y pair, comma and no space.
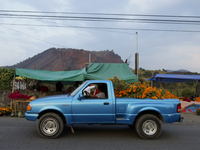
198,111
5,111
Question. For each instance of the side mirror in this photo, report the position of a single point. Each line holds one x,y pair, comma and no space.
80,96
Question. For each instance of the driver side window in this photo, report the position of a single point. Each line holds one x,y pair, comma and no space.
97,90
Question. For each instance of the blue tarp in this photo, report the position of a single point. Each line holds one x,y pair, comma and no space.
174,78
190,108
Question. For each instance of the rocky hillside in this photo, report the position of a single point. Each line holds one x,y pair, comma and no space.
67,59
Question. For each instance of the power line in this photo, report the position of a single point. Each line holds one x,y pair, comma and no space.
103,19
33,36
113,14
101,28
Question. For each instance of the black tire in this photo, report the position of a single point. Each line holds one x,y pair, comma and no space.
50,125
148,127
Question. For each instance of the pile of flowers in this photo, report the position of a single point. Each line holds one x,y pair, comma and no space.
16,95
139,90
198,111
197,99
5,111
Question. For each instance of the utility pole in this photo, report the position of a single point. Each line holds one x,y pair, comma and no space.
90,57
137,57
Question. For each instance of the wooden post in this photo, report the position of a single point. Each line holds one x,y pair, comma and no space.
136,65
177,90
13,88
151,76
197,83
151,83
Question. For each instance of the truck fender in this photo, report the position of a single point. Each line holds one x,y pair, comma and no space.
53,109
149,110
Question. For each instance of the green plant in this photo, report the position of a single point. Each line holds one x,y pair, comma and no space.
6,77
187,92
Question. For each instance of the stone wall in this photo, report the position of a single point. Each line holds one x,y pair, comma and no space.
5,101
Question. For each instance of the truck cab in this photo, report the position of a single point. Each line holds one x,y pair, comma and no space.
96,110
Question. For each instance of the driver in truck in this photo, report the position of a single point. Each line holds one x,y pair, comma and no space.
101,94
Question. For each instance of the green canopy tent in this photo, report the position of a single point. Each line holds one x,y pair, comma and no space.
103,71
95,71
66,77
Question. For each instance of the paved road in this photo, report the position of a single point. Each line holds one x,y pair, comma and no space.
18,133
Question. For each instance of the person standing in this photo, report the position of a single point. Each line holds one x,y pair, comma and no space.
59,86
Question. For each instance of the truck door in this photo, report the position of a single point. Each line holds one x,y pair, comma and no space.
94,110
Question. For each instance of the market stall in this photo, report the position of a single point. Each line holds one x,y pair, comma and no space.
95,71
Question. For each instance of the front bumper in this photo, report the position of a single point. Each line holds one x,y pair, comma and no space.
31,117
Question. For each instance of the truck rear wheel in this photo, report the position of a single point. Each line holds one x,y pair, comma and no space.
148,127
50,125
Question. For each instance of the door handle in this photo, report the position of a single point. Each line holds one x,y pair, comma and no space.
106,103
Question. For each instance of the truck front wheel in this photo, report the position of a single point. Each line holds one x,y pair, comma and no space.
50,125
148,127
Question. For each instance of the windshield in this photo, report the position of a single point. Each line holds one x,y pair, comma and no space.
77,89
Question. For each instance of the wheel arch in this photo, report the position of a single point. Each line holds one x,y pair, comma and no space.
53,111
152,112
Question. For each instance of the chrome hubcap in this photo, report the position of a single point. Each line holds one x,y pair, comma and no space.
49,126
149,127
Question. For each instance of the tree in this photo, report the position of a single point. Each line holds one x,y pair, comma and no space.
147,74
156,72
6,76
141,69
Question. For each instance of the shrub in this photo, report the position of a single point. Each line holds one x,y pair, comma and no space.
187,92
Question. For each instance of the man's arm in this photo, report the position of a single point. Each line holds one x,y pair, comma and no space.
91,95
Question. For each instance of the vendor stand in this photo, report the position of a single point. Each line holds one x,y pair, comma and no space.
95,71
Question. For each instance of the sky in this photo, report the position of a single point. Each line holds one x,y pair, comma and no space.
168,30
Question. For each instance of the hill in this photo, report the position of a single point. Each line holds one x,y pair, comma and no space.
67,59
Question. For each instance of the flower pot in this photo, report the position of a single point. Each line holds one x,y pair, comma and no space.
198,113
19,114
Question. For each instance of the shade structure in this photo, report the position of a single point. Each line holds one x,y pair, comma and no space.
174,78
95,71
103,71
44,75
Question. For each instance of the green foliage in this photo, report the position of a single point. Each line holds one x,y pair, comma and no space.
141,69
156,72
187,92
6,77
147,74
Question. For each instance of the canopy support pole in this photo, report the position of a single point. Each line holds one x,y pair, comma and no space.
13,88
178,89
151,83
197,83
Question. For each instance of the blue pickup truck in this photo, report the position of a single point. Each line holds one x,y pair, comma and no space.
79,107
